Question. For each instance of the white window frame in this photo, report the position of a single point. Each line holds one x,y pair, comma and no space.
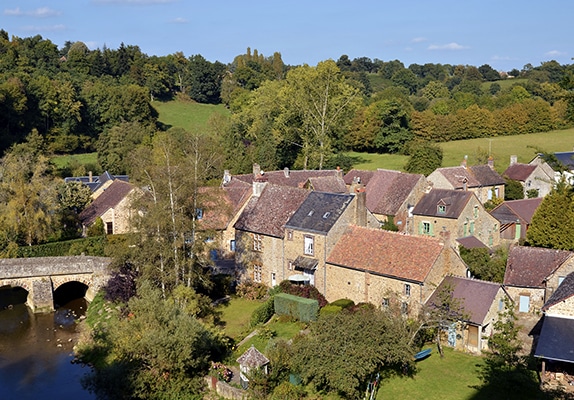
257,242
309,245
257,271
407,289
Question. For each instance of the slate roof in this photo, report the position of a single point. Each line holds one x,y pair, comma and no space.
110,198
95,182
386,253
530,266
566,158
556,341
292,178
475,176
519,172
454,200
332,184
252,358
319,212
509,211
471,242
387,190
358,176
268,213
564,291
474,296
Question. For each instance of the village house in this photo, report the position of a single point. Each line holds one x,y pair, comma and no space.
313,231
456,212
388,268
533,274
113,206
514,217
537,180
482,180
564,167
480,303
97,184
287,177
391,195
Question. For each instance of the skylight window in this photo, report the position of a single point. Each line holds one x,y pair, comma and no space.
326,215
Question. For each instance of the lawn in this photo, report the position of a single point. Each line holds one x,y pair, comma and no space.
75,159
501,147
189,115
451,377
236,315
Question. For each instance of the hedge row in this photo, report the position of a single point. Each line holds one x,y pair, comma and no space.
90,246
297,307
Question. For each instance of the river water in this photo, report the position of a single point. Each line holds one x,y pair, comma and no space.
36,351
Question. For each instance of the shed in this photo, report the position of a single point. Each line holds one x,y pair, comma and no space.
248,361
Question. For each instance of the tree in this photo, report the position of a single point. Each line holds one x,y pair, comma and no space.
485,266
552,224
344,349
424,159
73,197
513,190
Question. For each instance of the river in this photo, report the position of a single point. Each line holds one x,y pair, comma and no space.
36,351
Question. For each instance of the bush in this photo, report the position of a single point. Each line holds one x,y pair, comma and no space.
251,290
343,303
330,309
298,307
93,246
263,313
306,291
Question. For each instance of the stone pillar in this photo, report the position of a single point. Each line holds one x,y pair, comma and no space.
41,296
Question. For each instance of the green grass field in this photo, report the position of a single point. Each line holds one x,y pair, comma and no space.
79,159
236,315
191,116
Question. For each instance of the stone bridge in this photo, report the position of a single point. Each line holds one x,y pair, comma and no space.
41,276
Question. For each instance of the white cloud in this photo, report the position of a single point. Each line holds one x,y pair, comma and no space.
43,12
179,20
46,28
555,53
418,40
133,2
449,46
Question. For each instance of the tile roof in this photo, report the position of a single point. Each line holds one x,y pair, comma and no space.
562,292
519,172
293,178
267,214
454,200
221,204
475,296
332,184
110,198
471,242
475,176
486,175
530,266
319,212
252,358
387,190
358,176
511,210
386,253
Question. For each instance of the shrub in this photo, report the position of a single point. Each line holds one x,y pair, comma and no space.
298,307
251,290
306,291
263,313
330,309
343,303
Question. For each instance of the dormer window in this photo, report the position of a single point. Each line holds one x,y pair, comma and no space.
441,209
311,213
326,215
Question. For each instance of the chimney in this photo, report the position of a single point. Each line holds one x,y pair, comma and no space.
90,177
491,162
339,172
226,176
286,172
361,207
256,170
259,182
513,159
465,184
464,161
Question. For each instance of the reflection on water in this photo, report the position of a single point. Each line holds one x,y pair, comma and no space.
36,351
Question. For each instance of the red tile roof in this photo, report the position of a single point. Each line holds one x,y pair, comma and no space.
293,178
110,198
519,172
268,213
361,176
221,204
530,266
330,184
386,253
475,176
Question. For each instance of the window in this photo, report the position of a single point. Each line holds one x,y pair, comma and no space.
309,245
257,273
289,235
198,213
404,308
326,215
426,228
407,289
560,280
290,266
257,242
385,302
475,211
232,245
471,230
110,228
441,209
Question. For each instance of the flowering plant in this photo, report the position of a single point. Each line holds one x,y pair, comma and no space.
221,371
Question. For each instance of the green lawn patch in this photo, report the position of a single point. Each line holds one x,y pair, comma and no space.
236,315
372,161
63,161
189,115
451,377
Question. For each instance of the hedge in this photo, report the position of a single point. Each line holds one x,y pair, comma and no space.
297,307
263,313
91,246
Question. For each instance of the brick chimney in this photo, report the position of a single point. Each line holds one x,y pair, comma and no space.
491,162
361,207
256,170
513,159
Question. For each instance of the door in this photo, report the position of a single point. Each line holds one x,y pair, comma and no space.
524,304
273,279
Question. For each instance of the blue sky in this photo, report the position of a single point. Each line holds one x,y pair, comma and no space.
503,34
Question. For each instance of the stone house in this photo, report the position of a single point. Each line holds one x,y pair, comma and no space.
260,231
97,184
456,213
514,217
315,228
391,195
388,269
113,206
532,177
482,180
285,177
565,168
533,274
481,303
330,184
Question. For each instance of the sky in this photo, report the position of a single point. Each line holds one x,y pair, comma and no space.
504,34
